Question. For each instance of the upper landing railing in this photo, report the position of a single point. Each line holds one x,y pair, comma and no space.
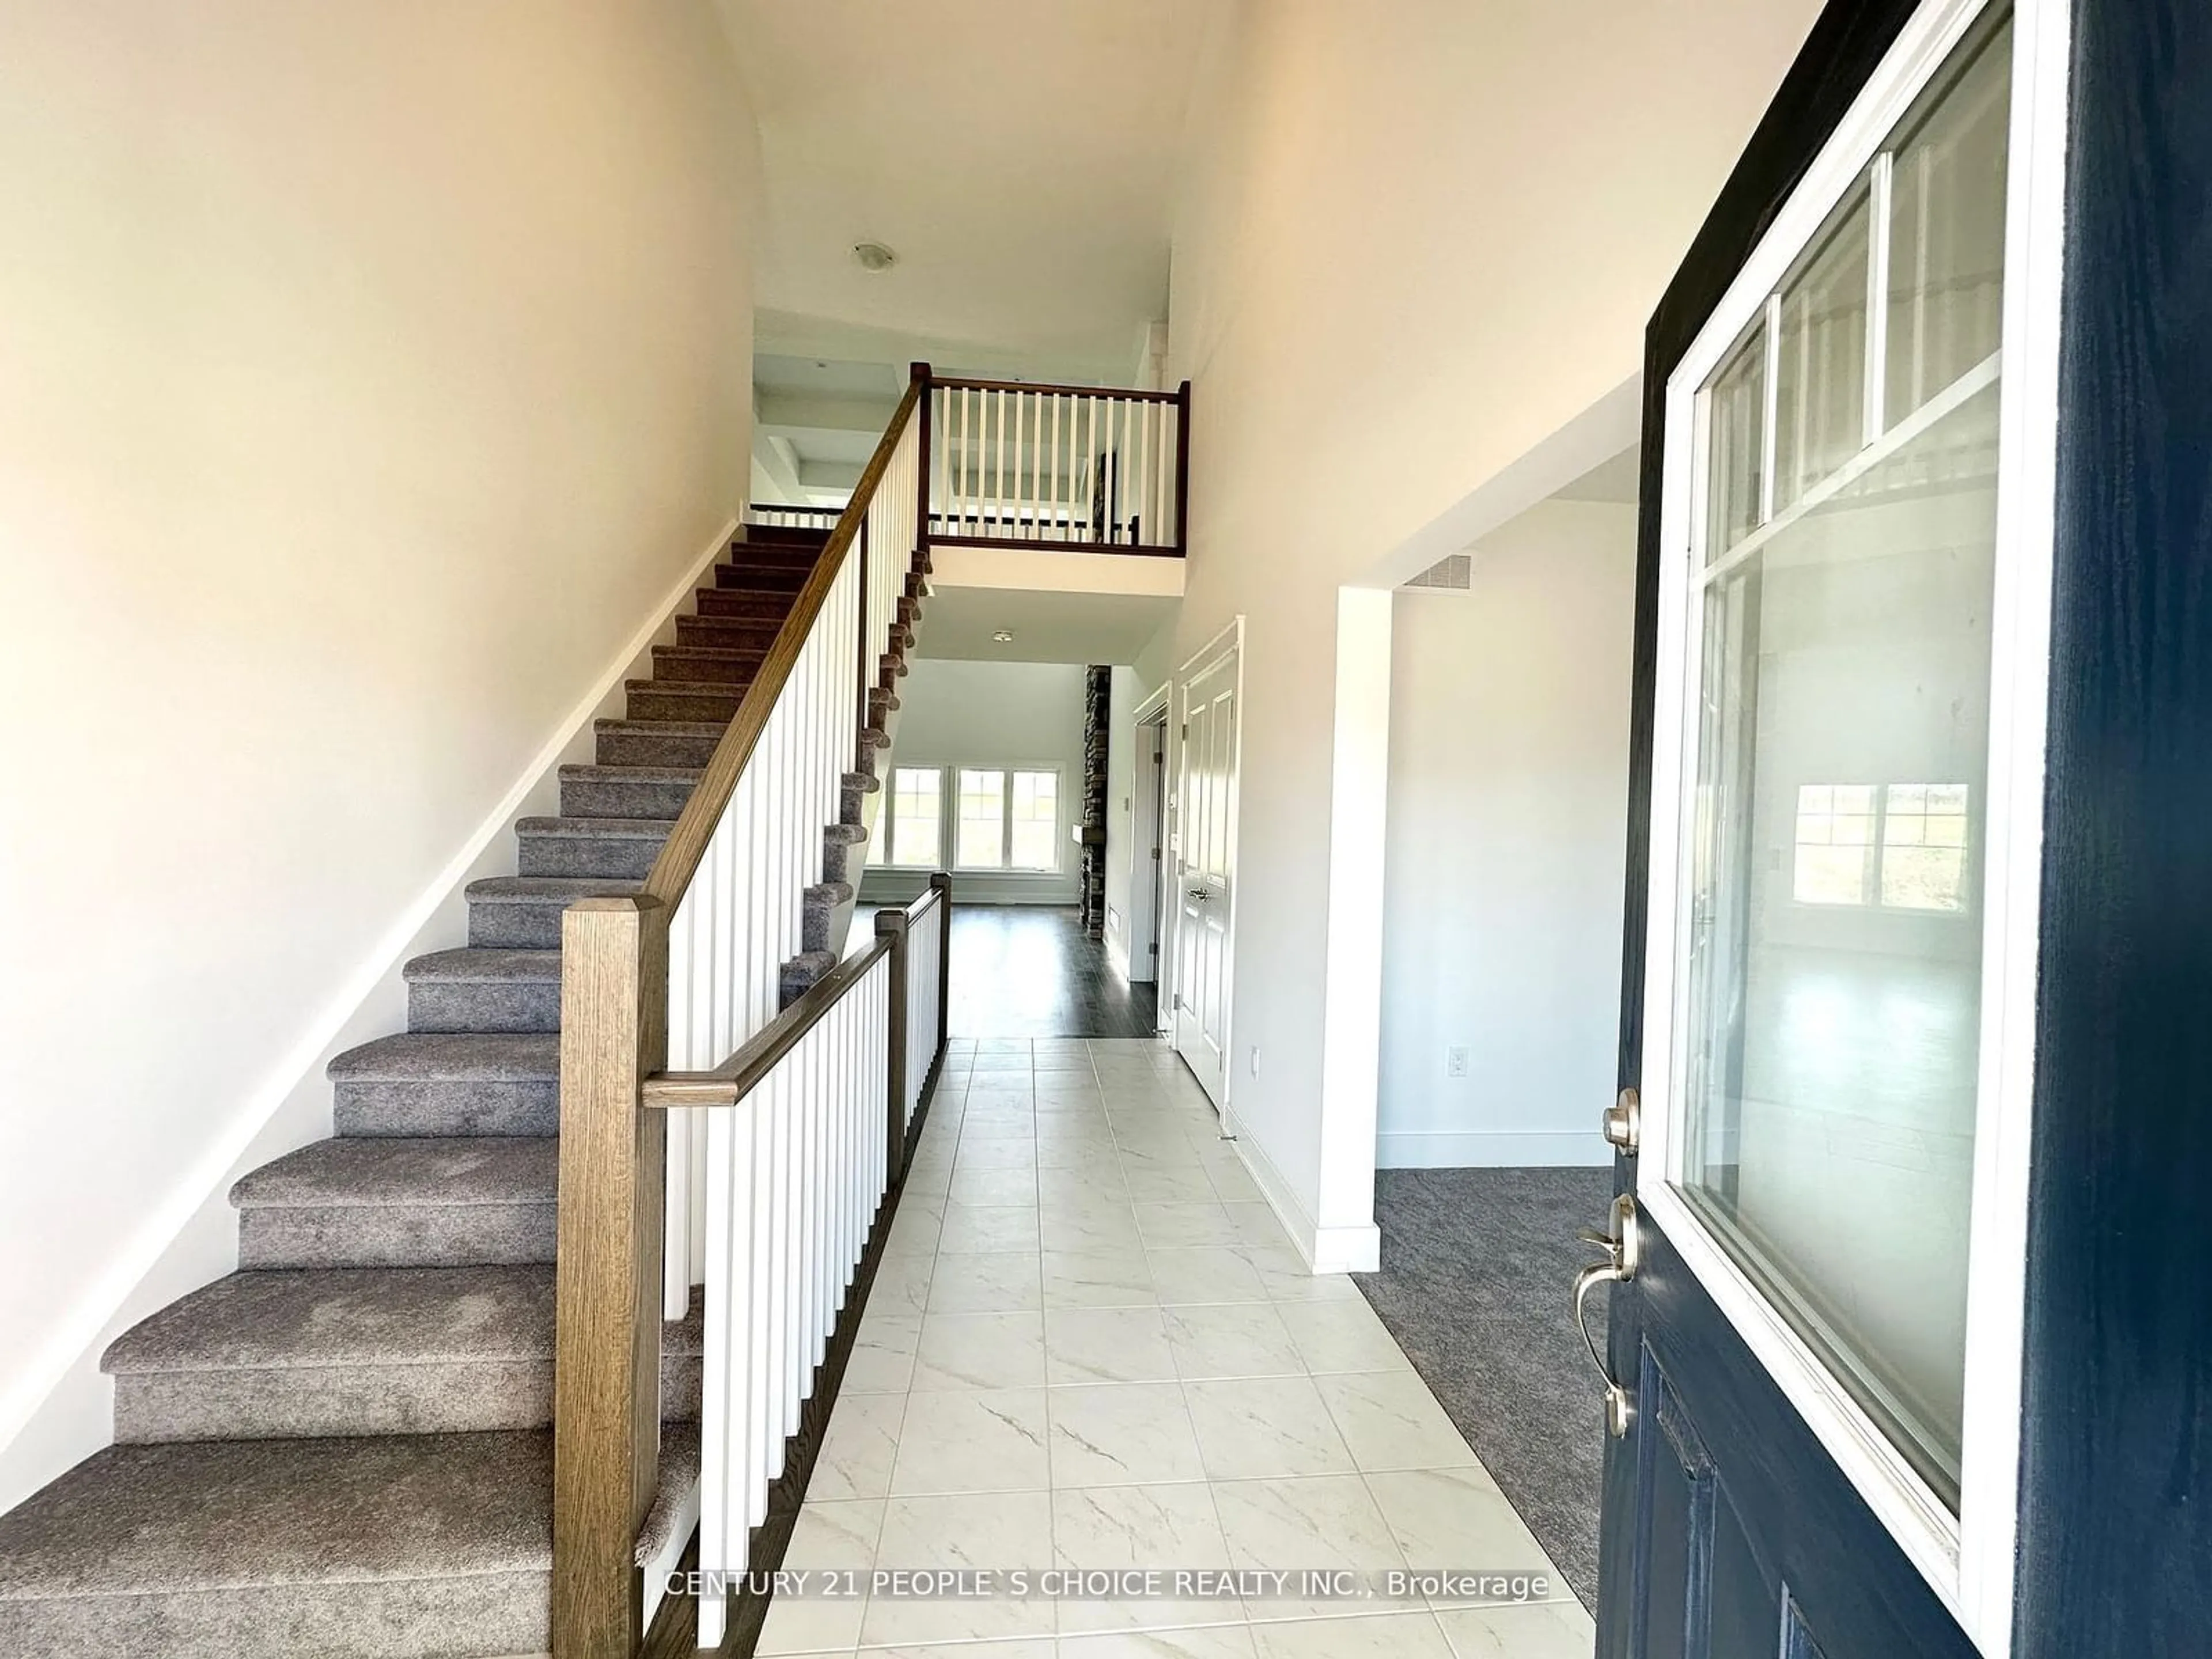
1083,469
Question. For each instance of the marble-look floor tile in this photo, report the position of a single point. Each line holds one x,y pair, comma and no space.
1326,1522
1171,1184
1111,1227
1097,1279
993,1186
1391,1421
1549,1630
1202,1642
1205,1273
993,1532
914,1231
985,1228
1060,1188
1370,1636
1342,1336
929,1178
995,1151
882,1358
967,1442
1265,1428
1107,1345
1127,1529
841,1536
979,1351
1286,1277
1233,1183
1240,1339
1446,1519
861,1448
1254,1224
1084,1154
1007,1282
1119,1433
902,1285
1166,1227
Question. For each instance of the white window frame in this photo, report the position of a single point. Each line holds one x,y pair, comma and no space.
889,818
1874,861
1967,1558
948,813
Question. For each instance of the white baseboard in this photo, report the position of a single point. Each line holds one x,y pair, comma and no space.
1490,1149
1356,1249
62,1410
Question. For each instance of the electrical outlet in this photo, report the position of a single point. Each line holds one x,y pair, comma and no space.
1455,1062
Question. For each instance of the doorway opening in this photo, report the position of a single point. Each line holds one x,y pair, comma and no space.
1507,805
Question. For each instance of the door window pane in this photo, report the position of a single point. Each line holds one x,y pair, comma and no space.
1035,821
1946,235
980,838
1736,407
1831,1023
917,815
1819,397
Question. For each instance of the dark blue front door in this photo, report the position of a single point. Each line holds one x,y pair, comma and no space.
1819,1010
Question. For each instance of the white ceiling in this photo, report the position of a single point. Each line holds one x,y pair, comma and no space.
1088,628
1018,155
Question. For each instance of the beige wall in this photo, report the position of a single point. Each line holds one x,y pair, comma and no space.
372,372
1507,838
1421,236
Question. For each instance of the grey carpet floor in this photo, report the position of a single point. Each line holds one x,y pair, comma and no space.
1476,1269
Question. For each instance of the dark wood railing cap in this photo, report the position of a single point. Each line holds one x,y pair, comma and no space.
739,1075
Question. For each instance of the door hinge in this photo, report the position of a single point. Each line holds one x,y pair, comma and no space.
1156,852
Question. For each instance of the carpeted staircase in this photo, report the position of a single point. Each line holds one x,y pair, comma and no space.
344,1448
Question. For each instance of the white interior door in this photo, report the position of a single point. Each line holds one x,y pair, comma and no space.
1148,869
1204,862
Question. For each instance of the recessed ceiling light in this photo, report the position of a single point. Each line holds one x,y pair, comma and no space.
1004,637
874,256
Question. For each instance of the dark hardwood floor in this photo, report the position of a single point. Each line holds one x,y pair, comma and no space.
1025,970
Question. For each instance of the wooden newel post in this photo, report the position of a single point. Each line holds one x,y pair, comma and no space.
892,925
942,881
920,373
606,1388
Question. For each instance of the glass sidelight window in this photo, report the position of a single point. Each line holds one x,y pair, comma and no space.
1828,977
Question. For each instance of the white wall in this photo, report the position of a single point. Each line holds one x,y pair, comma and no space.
1420,237
374,372
1509,796
991,713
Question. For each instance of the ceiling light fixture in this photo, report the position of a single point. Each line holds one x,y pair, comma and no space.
1004,637
874,256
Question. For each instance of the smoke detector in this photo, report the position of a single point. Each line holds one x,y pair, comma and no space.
874,256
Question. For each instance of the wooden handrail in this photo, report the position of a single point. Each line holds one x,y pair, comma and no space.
670,876
741,1073
1111,394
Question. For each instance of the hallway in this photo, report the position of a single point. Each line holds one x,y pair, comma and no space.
1089,1346
1025,970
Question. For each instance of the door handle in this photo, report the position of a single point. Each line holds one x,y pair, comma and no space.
1196,895
1623,1252
1624,1122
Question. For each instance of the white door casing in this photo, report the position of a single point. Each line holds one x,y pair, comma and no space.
1204,853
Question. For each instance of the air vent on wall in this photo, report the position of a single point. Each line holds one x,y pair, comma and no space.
1456,573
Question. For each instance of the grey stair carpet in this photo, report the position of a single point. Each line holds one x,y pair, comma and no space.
344,1448
1477,1266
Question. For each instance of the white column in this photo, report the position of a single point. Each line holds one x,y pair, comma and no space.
1347,1239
